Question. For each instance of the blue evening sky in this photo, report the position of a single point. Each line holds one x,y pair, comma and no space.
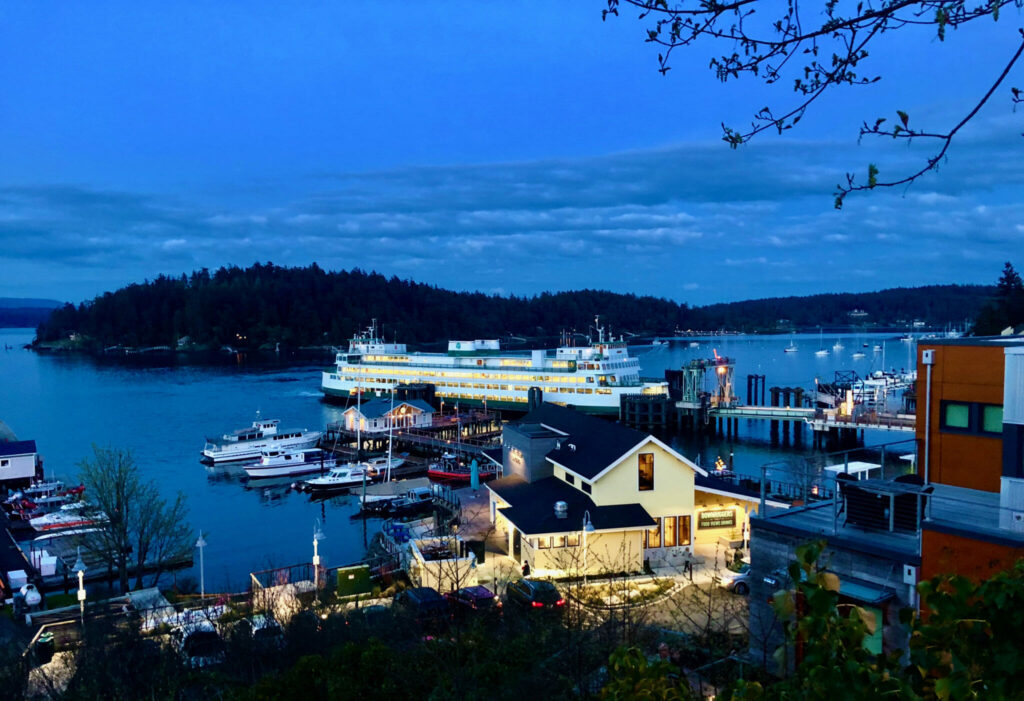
504,147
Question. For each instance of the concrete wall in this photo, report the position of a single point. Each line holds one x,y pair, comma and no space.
771,550
967,374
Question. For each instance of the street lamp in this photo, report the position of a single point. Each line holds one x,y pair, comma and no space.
79,567
318,535
588,527
201,543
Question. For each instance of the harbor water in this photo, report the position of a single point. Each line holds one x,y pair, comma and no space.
163,411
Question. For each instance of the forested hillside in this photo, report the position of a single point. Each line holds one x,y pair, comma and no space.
267,304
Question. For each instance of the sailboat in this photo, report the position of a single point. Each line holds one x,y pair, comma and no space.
838,345
791,348
822,350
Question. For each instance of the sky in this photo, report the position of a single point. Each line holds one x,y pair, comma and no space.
510,148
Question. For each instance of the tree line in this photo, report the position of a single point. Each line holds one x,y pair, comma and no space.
266,304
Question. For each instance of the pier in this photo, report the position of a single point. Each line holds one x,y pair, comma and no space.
467,433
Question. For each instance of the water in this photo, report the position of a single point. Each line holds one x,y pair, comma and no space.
66,403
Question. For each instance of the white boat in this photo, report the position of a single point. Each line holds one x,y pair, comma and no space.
694,344
250,443
591,378
837,346
822,353
381,464
877,349
341,477
287,463
858,356
76,515
791,348
822,350
659,342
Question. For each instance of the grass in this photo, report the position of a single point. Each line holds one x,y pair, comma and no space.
56,601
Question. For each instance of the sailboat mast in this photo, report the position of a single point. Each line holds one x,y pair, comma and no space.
391,432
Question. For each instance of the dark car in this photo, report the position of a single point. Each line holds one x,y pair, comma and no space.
535,594
473,601
424,604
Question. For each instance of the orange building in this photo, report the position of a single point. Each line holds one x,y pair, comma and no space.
970,424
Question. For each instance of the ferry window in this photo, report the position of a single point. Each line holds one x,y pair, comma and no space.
586,487
645,472
670,531
991,419
684,530
956,416
569,478
654,535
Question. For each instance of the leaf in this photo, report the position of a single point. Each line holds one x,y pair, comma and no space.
872,175
868,619
829,580
904,117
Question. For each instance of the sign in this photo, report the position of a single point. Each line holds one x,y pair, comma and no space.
725,518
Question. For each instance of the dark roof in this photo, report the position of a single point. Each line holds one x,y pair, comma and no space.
17,448
376,408
532,507
592,443
722,485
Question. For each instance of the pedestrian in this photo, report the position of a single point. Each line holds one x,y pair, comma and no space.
526,570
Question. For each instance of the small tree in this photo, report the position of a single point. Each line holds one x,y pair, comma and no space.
141,528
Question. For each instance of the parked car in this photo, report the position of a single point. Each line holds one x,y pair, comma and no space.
424,604
473,601
535,594
736,577
200,644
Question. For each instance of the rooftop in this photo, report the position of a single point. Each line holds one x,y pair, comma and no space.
18,448
377,408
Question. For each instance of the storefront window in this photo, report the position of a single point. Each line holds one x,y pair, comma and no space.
684,530
670,531
654,535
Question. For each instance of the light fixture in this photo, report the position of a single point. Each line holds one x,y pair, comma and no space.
79,568
318,535
201,543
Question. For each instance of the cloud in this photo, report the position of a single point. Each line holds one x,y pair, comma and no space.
634,222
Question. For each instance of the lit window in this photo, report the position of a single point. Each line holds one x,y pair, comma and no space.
684,530
991,419
670,531
956,416
645,472
654,535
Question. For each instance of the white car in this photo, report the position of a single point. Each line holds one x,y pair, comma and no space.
736,577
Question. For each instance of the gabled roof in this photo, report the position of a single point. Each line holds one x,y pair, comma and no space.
18,448
532,508
591,443
377,408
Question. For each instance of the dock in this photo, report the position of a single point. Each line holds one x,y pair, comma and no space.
467,433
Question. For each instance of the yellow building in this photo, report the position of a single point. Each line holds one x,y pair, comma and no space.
582,494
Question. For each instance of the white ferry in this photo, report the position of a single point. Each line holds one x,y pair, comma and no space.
249,443
592,378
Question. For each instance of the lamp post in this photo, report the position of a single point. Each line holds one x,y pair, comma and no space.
79,568
318,535
201,543
588,527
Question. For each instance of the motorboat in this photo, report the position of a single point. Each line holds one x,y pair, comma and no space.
450,469
250,443
858,356
791,348
380,464
822,353
341,477
288,463
411,502
76,515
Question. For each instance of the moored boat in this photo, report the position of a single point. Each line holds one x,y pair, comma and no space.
450,469
287,463
76,515
341,477
250,443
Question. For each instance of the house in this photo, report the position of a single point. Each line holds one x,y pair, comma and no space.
378,415
579,494
19,462
959,511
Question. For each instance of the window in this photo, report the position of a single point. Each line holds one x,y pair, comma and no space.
4,463
544,543
684,530
991,419
569,478
572,540
586,487
956,415
654,535
670,531
645,472
972,417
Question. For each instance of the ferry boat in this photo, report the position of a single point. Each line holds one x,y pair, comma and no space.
592,378
287,463
249,443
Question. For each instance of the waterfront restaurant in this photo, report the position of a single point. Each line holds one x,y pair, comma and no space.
579,494
377,416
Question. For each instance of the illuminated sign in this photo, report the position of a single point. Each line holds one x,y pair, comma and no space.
725,518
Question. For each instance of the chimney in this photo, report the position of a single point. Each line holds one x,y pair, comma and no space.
561,509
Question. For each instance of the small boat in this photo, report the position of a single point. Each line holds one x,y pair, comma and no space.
822,353
249,443
837,346
341,477
907,339
694,344
450,469
413,501
380,464
659,342
287,463
877,349
76,515
791,348
858,356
